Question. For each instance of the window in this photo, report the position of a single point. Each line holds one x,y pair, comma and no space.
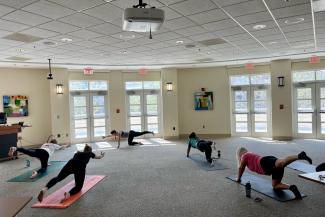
139,85
242,80
87,85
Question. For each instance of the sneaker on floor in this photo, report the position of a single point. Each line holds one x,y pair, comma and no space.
303,156
295,191
40,196
11,152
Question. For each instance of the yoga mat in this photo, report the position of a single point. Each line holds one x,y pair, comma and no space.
54,200
201,162
264,186
55,165
314,177
302,167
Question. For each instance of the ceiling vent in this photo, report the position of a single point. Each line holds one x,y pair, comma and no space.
211,42
190,45
204,60
18,58
22,37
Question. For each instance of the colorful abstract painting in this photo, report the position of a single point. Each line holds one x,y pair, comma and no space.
203,101
15,106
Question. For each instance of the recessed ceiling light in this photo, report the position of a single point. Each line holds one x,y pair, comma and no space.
66,39
124,52
273,42
294,20
259,26
179,42
127,37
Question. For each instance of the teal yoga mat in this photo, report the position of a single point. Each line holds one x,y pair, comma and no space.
55,166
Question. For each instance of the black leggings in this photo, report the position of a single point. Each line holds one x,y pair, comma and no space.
133,134
205,146
41,154
72,167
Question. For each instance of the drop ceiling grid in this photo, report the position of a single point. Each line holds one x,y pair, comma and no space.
186,23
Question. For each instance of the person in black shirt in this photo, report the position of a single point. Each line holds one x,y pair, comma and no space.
77,166
127,134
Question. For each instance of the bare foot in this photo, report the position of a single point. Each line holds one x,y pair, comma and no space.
140,143
66,196
33,175
11,152
40,196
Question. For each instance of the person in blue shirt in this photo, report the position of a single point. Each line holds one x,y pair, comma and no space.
200,144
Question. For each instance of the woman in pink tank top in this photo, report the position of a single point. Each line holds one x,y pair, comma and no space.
269,165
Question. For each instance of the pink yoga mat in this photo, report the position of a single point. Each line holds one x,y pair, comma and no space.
54,200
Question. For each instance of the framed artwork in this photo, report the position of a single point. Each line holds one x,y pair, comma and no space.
15,106
203,100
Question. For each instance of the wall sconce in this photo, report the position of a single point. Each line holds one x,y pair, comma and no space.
59,88
169,86
280,81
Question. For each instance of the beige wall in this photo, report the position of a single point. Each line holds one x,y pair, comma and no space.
33,84
216,121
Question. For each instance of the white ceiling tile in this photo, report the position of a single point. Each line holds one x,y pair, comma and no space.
59,37
48,9
158,45
105,12
26,18
105,28
123,44
40,32
144,40
17,3
91,51
81,20
87,43
269,25
85,34
70,47
195,30
126,36
254,18
170,14
185,41
4,33
193,6
170,2
229,31
244,8
224,3
139,49
223,24
292,11
178,23
129,3
78,5
201,37
208,16
10,42
166,36
59,27
265,32
281,4
12,26
106,40
5,10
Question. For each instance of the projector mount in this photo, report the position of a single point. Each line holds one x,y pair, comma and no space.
141,5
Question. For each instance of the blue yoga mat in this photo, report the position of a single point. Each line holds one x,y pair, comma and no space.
302,167
55,166
264,186
201,161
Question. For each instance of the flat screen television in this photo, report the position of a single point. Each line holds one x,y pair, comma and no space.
3,118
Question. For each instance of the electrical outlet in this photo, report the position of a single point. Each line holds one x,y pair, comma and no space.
203,126
174,128
59,135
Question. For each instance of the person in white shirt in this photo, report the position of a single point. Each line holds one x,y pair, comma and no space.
43,154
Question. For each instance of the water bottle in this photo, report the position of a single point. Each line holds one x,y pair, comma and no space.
219,154
248,189
27,163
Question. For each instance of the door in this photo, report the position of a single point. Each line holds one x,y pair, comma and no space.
320,110
143,110
305,111
260,111
89,116
241,115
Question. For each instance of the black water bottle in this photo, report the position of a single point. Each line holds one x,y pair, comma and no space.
248,189
219,154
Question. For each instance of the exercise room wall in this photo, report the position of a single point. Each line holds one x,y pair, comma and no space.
32,83
215,122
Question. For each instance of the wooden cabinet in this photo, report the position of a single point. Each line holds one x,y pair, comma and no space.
8,138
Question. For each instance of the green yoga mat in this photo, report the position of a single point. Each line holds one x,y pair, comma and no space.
55,165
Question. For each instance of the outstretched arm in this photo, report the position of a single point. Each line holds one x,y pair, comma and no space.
102,154
188,150
241,170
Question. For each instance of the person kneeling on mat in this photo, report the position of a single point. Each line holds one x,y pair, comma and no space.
269,165
129,135
43,154
202,145
77,166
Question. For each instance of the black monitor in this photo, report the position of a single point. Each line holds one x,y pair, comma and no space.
3,118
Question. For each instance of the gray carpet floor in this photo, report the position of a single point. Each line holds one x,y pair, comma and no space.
158,180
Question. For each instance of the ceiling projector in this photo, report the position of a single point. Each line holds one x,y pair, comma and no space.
141,19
